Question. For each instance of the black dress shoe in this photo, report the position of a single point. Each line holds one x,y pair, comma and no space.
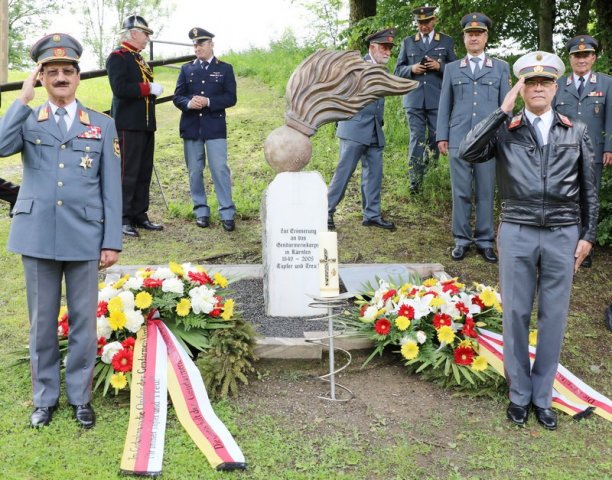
203,222
42,416
488,254
129,231
85,415
228,225
330,222
517,414
608,317
380,223
588,260
149,225
546,417
459,252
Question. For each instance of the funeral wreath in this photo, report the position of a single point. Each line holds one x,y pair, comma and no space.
195,307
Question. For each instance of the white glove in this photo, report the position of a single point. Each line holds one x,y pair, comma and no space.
155,89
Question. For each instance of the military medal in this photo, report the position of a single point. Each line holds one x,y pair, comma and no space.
86,162
596,108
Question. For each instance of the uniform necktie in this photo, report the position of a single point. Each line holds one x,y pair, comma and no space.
580,86
426,38
204,64
61,122
476,61
538,132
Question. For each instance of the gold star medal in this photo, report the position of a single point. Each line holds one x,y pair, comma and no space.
86,162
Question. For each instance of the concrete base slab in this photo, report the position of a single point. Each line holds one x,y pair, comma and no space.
346,343
287,348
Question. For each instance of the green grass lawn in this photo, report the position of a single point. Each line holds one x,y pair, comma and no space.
282,435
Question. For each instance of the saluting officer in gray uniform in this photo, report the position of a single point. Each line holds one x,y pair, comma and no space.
548,224
362,138
423,57
472,88
587,95
67,220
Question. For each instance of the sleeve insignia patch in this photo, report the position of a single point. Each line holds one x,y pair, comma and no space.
116,148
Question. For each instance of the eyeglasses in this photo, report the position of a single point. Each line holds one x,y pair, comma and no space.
532,83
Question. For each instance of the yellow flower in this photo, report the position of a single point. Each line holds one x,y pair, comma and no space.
101,285
143,300
459,285
498,308
116,320
480,363
465,343
144,273
430,282
488,297
402,323
533,338
406,287
183,307
176,269
228,309
115,304
381,312
446,334
410,350
220,280
436,302
63,310
118,381
119,283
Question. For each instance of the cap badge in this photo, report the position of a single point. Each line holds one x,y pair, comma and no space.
582,39
474,17
56,38
538,68
59,52
474,24
581,46
539,57
194,31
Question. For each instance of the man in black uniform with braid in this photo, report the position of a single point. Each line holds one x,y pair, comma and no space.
133,109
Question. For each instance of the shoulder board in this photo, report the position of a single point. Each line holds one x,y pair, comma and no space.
515,122
417,37
437,37
99,113
220,62
564,120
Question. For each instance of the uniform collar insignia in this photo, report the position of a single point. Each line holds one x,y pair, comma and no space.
516,121
84,117
417,37
463,63
568,82
488,62
593,78
437,37
564,120
43,113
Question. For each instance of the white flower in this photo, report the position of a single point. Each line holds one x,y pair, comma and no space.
421,306
103,329
133,320
174,285
109,350
127,299
421,337
163,273
202,299
188,267
370,314
107,293
404,340
134,283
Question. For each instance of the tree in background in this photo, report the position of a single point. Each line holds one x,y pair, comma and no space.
327,24
27,19
102,19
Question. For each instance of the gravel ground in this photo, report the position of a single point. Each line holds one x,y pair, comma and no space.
249,298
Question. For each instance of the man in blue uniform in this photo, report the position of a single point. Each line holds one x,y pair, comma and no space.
472,88
423,57
67,220
133,109
204,89
362,138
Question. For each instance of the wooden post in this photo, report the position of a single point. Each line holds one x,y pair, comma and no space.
3,41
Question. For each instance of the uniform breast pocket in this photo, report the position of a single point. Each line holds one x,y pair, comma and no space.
490,85
87,155
596,106
37,147
460,86
565,108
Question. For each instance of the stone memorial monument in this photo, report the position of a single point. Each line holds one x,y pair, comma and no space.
326,87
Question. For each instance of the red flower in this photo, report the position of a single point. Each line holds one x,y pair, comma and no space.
468,327
431,292
450,287
406,311
413,292
389,294
364,307
102,308
382,326
216,312
101,342
442,320
122,360
200,277
62,326
464,355
152,283
461,308
477,301
128,343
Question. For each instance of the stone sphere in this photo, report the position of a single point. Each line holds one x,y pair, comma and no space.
287,150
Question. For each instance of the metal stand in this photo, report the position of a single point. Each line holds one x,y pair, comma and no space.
329,303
